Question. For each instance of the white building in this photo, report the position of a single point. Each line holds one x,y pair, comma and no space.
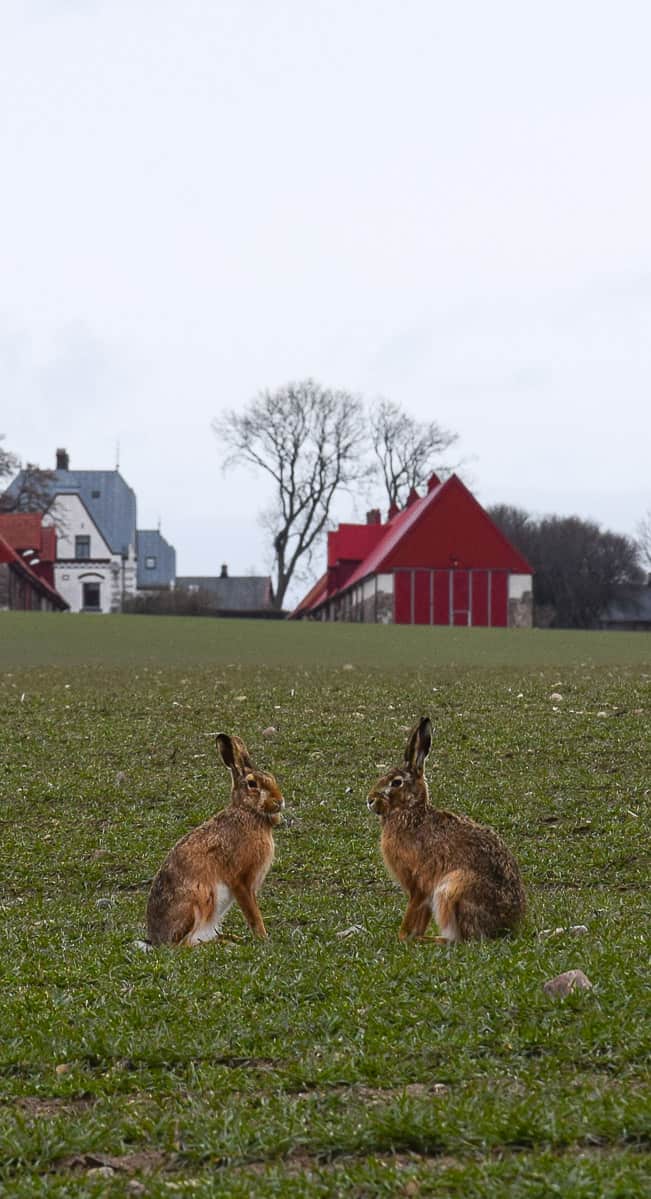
98,564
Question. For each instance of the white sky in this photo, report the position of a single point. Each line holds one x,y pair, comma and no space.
448,204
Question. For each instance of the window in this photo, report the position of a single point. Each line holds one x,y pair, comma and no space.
82,547
95,494
150,562
91,597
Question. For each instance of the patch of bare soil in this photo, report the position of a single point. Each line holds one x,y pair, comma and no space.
37,1105
143,1161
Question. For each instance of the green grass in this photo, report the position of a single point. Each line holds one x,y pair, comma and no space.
312,1065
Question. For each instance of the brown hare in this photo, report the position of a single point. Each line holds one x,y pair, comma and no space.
224,860
450,867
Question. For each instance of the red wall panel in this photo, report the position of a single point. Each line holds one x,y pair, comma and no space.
422,608
479,597
441,597
499,599
402,597
460,597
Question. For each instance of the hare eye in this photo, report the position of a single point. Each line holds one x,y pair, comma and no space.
397,782
251,784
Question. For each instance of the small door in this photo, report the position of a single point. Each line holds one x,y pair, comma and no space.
91,598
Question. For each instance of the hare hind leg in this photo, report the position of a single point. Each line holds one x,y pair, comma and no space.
447,899
478,914
210,915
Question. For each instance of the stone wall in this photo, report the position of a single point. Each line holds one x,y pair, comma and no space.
521,612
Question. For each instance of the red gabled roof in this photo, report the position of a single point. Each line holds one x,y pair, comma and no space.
387,556
9,555
460,534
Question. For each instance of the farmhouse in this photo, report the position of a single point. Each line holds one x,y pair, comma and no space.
231,595
440,560
102,558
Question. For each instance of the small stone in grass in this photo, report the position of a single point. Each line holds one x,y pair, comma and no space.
564,984
62,1068
100,1172
270,731
576,930
348,666
555,695
120,778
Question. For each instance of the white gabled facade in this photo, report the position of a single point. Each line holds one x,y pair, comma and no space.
87,573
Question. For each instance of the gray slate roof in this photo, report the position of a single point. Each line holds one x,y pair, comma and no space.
109,500
150,544
236,594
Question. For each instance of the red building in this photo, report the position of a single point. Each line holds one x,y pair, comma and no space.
27,557
440,560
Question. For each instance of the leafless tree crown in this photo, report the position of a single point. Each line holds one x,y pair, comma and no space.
32,493
406,450
644,538
310,440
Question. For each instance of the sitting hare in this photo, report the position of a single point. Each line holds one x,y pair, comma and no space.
450,867
225,859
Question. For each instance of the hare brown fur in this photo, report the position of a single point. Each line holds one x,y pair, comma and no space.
450,867
224,860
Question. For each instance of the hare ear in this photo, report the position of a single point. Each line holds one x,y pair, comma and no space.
419,745
234,754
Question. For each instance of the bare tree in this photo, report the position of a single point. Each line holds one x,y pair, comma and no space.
30,491
406,450
31,488
310,440
9,463
644,537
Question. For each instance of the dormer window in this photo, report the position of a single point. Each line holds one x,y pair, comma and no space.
95,494
150,562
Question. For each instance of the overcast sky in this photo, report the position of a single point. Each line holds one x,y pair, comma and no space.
447,204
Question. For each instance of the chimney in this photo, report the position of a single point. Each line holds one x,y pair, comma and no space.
433,481
373,517
63,461
412,497
393,511
224,571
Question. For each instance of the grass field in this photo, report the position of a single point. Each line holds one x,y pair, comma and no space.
312,1064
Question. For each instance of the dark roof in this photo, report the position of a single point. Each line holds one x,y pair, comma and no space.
232,594
151,545
110,501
